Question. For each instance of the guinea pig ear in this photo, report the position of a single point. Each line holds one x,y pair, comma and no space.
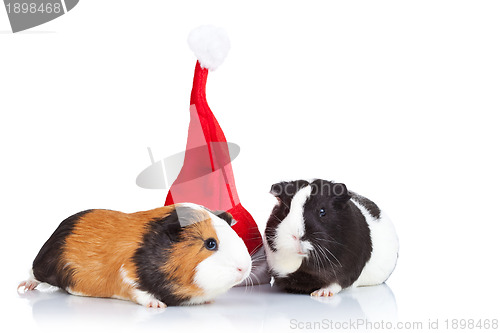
187,215
277,189
340,194
226,217
287,189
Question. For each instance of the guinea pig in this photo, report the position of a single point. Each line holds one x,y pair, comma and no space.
174,255
322,238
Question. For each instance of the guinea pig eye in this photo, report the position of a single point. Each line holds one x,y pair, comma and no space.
211,244
322,212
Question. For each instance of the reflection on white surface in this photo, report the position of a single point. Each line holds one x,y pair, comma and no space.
251,309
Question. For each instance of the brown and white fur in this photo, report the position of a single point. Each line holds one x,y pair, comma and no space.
174,255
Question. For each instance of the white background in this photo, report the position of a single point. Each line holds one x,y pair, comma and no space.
399,100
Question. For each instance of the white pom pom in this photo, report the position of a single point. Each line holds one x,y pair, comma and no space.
210,45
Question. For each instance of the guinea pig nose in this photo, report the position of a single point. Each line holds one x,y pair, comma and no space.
242,269
294,237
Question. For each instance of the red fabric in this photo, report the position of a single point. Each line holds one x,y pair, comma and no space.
206,177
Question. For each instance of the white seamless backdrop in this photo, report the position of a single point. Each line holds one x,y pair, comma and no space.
397,99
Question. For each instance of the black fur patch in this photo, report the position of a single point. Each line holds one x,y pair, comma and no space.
284,192
47,264
153,253
368,204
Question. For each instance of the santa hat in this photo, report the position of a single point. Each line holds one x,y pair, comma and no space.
206,177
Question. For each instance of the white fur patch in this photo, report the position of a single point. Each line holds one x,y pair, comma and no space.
139,296
124,275
76,293
385,246
287,258
146,299
219,272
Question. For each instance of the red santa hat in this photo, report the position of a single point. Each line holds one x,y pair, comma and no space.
206,177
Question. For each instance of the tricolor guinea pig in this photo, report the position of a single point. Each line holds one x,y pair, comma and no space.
322,238
174,255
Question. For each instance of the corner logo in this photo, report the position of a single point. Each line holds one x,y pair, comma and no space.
26,14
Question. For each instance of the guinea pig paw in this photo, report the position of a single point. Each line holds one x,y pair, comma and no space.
148,300
156,304
329,291
322,293
28,285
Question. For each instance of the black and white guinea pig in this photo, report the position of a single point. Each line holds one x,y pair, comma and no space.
322,238
173,255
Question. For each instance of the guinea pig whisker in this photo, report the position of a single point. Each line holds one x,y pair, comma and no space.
333,241
323,234
254,251
258,261
254,238
325,256
246,285
251,280
318,260
323,249
326,240
330,239
259,258
248,281
333,256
